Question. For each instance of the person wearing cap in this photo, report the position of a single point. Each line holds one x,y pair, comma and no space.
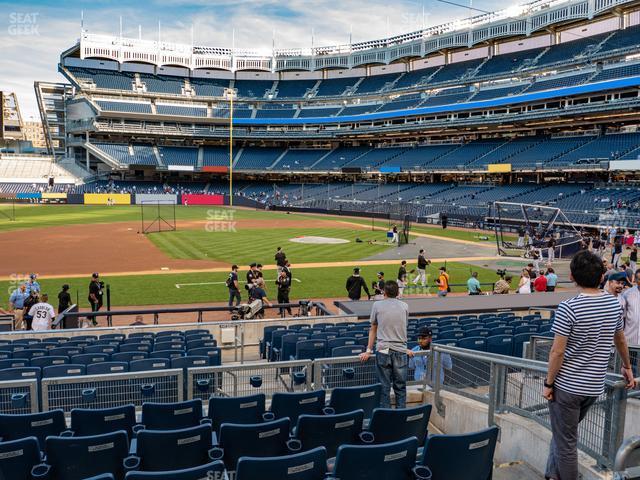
95,295
402,278
232,285
378,287
258,292
29,302
422,267
64,299
33,284
16,305
283,283
42,314
280,258
616,283
252,276
259,273
355,285
421,362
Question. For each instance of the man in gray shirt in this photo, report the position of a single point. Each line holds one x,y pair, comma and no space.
389,318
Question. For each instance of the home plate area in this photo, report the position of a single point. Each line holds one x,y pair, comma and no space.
318,240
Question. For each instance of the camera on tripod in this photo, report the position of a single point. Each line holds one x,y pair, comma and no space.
501,272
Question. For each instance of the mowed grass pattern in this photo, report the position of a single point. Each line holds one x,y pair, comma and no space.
259,245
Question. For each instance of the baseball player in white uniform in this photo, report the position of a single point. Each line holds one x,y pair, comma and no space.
42,314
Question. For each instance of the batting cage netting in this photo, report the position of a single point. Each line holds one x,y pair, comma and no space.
158,216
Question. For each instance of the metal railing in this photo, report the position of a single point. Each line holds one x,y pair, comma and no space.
513,385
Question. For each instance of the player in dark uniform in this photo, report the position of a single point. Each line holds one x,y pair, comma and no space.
252,276
95,295
280,258
232,285
355,285
402,277
283,283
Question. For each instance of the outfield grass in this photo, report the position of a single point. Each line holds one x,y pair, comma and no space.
245,246
161,289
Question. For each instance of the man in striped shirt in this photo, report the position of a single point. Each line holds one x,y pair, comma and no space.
585,327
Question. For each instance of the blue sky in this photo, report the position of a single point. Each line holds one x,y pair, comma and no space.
34,33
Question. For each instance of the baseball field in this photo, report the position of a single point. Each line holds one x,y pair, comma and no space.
66,243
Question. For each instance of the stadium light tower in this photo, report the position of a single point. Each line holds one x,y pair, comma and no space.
229,94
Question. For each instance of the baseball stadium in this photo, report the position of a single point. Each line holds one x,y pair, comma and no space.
410,257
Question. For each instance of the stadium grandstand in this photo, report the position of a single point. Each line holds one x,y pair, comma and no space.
524,121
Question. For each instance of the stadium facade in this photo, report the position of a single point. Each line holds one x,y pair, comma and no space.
534,104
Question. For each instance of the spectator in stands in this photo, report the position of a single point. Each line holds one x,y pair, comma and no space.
42,314
503,285
585,326
421,362
524,285
402,278
443,282
280,258
473,284
233,286
552,279
95,295
540,283
389,318
422,266
16,305
30,301
283,283
64,299
355,285
630,301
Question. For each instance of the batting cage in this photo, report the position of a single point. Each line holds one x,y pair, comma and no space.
158,216
523,228
7,209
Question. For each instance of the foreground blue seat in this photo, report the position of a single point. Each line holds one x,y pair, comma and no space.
149,364
30,353
391,425
68,370
88,358
10,363
310,465
20,373
214,354
292,405
500,344
171,416
311,349
77,458
65,351
240,410
128,356
107,367
190,361
87,422
213,471
168,354
347,399
38,425
48,361
165,450
347,351
468,456
394,460
135,347
18,457
329,431
268,439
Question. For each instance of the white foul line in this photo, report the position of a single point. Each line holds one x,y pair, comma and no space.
180,285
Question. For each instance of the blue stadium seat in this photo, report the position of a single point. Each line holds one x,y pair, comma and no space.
311,349
171,416
467,456
455,334
167,354
265,342
341,342
196,332
168,334
239,410
500,344
473,343
26,341
107,367
67,370
113,336
329,431
501,331
77,458
141,335
189,448
268,439
212,470
149,364
477,332
21,373
30,353
18,457
135,347
525,329
65,351
214,354
86,422
88,358
347,351
109,349
190,362
518,343
289,345
49,361
309,465
391,425
5,354
347,399
294,404
200,343
39,425
10,363
128,356
388,460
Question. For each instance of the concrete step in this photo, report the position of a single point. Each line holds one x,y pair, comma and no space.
516,471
